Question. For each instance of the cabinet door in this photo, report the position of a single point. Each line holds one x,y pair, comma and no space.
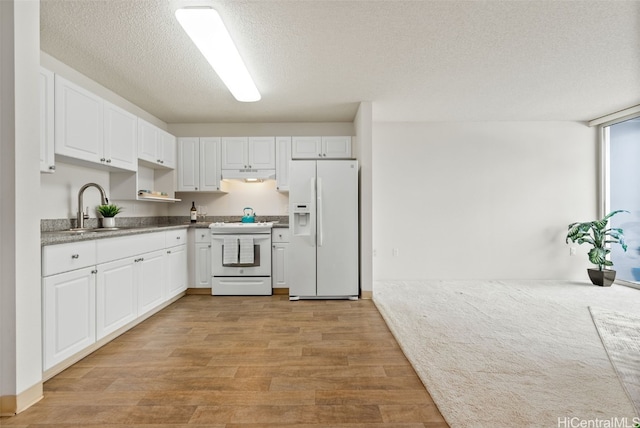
210,173
234,153
150,276
280,265
116,296
188,164
176,262
306,147
203,265
120,138
79,118
69,314
336,147
167,148
47,135
283,156
147,141
262,152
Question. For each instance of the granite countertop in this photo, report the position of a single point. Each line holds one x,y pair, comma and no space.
64,236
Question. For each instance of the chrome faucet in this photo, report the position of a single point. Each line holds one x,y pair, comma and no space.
81,217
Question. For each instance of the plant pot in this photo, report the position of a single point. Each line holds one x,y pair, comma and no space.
603,278
108,222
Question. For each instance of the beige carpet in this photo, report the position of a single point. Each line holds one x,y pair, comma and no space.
620,335
509,353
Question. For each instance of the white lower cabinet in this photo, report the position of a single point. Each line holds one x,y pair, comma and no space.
116,297
280,258
200,259
94,288
176,263
69,314
150,279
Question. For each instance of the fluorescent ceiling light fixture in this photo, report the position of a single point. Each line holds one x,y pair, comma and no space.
206,29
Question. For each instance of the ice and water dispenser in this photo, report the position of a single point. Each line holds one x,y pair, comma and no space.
302,220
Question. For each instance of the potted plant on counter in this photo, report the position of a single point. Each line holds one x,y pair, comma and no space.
109,212
599,236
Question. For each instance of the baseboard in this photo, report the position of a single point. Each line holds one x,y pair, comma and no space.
280,291
367,295
10,405
206,291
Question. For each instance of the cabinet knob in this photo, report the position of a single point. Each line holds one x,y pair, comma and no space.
52,167
108,160
159,161
102,159
168,251
95,271
177,237
209,246
75,256
196,188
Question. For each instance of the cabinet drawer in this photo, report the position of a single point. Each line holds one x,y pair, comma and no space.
66,257
128,246
175,237
203,236
280,234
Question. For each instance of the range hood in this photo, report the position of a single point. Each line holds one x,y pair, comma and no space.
249,174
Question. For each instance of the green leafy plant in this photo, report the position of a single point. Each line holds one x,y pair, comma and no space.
109,210
597,234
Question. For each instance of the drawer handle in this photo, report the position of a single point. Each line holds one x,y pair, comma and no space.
168,251
177,237
75,256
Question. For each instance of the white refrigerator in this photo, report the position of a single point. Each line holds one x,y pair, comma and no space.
323,222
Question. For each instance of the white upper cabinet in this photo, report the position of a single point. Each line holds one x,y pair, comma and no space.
47,135
120,137
79,120
321,147
248,153
91,129
336,147
262,152
156,147
199,165
283,157
234,152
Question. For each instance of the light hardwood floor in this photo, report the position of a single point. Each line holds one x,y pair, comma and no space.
232,362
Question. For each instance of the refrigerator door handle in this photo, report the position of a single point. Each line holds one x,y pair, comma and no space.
313,214
319,209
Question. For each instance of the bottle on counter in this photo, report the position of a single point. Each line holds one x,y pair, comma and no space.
193,212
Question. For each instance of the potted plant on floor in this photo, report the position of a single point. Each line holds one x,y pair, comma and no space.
599,236
109,212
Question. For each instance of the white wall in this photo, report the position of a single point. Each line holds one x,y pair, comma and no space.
21,352
363,150
262,197
488,200
59,194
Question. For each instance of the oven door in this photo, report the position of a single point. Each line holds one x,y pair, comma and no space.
261,265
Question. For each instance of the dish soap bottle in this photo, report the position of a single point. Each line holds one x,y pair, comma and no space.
194,213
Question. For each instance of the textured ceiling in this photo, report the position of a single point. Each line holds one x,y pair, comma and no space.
316,60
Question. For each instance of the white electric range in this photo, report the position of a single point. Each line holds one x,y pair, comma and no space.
241,259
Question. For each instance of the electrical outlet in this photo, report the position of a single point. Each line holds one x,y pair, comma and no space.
572,251
395,252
